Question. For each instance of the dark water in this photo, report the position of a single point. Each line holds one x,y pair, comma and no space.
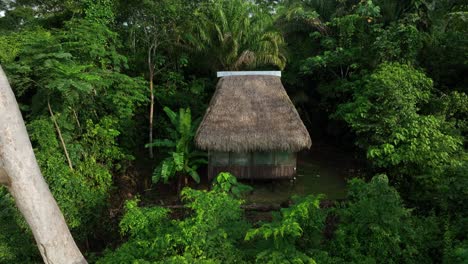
322,170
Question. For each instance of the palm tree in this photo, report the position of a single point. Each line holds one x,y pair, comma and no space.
236,34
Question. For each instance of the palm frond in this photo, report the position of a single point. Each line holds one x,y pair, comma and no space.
172,116
161,143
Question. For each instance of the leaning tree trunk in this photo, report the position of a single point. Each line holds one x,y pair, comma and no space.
20,173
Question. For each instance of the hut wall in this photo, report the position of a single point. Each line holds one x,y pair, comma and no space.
256,165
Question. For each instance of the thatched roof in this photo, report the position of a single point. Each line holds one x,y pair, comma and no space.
251,113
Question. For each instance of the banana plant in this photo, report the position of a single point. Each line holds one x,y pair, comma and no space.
182,159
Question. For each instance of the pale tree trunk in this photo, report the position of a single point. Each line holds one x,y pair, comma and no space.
151,114
20,173
151,117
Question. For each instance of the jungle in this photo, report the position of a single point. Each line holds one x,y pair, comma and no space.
112,93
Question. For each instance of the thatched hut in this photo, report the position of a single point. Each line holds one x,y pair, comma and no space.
251,128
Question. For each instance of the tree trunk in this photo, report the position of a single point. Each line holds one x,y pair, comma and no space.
20,173
59,132
151,114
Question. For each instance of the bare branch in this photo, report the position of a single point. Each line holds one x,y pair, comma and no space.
59,132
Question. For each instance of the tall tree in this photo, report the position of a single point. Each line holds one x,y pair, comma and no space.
92,105
154,29
20,172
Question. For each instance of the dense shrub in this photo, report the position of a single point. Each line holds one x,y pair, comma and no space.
210,234
16,241
374,227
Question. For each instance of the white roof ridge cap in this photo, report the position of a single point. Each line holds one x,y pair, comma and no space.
243,73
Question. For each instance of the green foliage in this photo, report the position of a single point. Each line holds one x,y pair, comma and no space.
228,183
345,43
398,42
385,114
349,43
83,192
77,70
280,241
182,159
101,11
215,230
387,76
409,122
459,253
8,48
155,31
16,241
142,222
210,234
76,67
235,35
445,47
375,226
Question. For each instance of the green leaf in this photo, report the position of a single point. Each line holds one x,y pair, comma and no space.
193,173
179,161
172,116
161,143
